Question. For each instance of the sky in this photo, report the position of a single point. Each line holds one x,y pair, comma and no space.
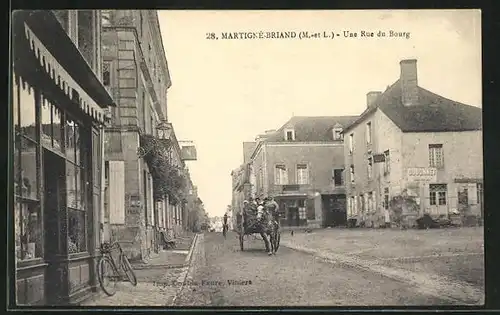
225,92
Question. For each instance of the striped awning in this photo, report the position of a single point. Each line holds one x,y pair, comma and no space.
63,80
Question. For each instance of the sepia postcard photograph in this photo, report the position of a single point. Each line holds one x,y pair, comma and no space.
246,158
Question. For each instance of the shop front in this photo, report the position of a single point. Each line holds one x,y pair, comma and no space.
57,108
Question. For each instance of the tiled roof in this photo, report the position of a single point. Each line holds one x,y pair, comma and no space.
311,128
434,113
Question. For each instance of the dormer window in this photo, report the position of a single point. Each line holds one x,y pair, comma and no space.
289,134
337,134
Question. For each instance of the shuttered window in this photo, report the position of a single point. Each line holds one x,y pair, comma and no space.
117,192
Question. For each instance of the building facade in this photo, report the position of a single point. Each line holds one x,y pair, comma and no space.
135,71
301,165
417,146
58,105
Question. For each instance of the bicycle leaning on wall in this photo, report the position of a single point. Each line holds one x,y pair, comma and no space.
107,269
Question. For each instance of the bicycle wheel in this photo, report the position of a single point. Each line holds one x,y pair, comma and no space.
127,268
108,276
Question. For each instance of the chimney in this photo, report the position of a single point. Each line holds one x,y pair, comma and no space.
371,97
409,82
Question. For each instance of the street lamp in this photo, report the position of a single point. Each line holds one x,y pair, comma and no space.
164,130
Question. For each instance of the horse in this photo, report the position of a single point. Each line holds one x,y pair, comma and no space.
269,228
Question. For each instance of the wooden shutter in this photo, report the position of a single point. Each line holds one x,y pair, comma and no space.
117,192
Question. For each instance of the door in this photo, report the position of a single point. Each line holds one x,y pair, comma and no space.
54,176
438,199
293,216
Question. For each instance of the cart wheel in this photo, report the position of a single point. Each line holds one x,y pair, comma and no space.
241,242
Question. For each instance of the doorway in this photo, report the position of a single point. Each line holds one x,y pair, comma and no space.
293,216
54,179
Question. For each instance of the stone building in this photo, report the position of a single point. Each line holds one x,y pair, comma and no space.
301,165
135,71
58,108
415,145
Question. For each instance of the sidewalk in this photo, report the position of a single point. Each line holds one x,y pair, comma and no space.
171,258
158,281
446,261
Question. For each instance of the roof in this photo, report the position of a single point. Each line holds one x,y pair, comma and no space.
434,113
311,128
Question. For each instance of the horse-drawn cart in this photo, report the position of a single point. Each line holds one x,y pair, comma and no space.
249,224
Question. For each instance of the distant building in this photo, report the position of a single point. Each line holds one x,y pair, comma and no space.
135,71
413,143
301,165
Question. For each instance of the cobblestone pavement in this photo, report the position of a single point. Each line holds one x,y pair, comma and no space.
447,263
290,278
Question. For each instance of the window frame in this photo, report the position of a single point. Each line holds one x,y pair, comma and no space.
338,134
341,177
435,191
368,133
352,173
370,167
433,161
302,166
387,162
278,178
351,143
291,131
35,201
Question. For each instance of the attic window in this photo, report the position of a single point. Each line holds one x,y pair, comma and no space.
337,133
289,135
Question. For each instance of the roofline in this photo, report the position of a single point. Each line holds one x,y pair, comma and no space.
361,118
428,131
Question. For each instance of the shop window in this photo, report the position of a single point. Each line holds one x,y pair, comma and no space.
57,129
27,111
27,215
28,229
71,139
75,191
76,231
302,214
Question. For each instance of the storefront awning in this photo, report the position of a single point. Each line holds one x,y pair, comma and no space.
62,61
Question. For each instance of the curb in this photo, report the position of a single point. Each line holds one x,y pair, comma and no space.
435,286
182,278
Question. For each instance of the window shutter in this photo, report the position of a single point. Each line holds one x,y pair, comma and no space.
117,192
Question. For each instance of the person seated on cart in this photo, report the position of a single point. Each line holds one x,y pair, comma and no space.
260,208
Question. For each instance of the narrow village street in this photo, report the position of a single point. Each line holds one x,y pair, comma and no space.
295,278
